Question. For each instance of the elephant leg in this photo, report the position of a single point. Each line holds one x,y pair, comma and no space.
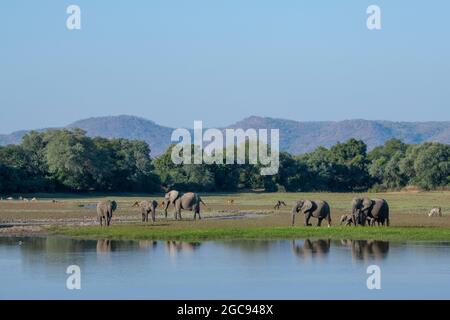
197,211
100,220
319,221
307,217
153,216
143,216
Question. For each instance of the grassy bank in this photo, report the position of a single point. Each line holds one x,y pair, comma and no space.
250,216
143,232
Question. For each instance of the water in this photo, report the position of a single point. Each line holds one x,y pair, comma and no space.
35,268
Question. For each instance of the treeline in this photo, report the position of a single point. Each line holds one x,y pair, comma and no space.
68,160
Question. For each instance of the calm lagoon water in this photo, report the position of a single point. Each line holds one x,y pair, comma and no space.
35,268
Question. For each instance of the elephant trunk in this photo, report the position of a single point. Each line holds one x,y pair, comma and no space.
293,212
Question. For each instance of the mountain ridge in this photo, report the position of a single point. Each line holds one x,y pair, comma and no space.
295,136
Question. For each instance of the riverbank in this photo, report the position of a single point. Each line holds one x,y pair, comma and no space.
142,232
249,216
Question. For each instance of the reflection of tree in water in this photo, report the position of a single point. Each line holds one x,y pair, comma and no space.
368,249
311,248
175,247
50,250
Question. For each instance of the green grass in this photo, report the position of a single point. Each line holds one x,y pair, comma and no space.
141,232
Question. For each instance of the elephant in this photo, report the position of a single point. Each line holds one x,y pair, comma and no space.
146,208
373,210
347,219
186,201
105,210
170,198
312,208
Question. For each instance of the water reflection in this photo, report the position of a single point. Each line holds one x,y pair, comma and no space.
363,250
176,247
36,267
366,250
311,248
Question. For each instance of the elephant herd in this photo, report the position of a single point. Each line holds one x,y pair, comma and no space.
180,201
363,210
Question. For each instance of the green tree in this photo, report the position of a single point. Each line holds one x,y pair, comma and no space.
427,165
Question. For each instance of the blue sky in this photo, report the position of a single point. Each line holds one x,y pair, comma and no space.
176,61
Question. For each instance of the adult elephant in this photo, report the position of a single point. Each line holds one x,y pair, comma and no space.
186,201
105,211
312,208
374,210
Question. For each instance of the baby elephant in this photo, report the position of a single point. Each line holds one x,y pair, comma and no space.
105,210
347,219
147,207
435,212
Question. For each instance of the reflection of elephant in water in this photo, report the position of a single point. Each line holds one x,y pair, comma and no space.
103,246
147,207
367,249
173,247
186,201
318,209
309,248
105,211
373,210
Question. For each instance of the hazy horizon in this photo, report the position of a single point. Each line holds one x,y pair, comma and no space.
176,62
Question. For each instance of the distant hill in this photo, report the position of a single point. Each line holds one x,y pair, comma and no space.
129,127
299,137
295,137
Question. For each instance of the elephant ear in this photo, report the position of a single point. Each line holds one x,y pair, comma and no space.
113,205
307,205
367,204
